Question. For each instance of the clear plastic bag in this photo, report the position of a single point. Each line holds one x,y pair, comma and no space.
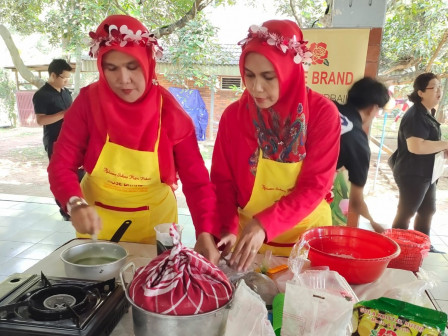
414,291
262,285
298,257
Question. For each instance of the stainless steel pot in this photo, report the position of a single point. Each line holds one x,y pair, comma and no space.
152,324
94,260
98,260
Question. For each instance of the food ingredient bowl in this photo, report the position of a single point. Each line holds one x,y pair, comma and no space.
94,261
360,256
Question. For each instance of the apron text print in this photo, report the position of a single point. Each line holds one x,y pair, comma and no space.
130,176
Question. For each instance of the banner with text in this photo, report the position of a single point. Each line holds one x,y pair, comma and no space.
339,60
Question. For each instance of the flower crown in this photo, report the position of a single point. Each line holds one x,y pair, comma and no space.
123,37
297,48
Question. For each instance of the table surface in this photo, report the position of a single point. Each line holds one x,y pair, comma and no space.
141,254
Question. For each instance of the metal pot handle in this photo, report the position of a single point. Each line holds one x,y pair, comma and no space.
121,230
123,269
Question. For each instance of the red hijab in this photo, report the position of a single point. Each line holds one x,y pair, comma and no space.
132,125
280,131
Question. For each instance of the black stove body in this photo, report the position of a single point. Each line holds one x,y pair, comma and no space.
37,305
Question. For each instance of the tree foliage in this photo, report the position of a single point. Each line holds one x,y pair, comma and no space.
7,98
307,13
66,23
415,35
192,48
414,41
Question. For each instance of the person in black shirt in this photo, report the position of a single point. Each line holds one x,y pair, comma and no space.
50,104
51,101
419,140
364,100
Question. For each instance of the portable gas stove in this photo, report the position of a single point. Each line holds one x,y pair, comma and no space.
37,305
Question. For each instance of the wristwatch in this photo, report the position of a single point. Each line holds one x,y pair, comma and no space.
75,202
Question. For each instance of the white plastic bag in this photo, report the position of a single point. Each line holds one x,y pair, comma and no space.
414,291
311,312
248,315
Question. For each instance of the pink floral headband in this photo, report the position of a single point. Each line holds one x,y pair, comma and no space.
297,48
123,37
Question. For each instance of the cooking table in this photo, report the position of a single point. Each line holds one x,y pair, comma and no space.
141,254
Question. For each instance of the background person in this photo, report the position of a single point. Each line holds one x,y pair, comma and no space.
133,138
50,103
364,99
419,140
276,149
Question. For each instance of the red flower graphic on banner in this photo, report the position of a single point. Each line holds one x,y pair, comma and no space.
384,332
320,53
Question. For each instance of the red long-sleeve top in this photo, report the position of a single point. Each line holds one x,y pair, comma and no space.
235,143
81,142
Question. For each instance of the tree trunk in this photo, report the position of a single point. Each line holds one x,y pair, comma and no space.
17,60
198,5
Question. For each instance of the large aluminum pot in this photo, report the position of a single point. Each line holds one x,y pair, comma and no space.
94,260
152,324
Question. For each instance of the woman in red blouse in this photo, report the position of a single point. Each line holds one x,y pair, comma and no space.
276,149
134,140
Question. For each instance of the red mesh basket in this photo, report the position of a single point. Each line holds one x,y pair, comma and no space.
414,247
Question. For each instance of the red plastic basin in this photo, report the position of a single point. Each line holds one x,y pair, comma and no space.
360,256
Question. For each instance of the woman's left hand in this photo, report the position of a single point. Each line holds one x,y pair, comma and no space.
205,245
250,241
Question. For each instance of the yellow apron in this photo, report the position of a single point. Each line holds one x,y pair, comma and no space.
125,185
273,181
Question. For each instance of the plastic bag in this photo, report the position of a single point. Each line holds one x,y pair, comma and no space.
180,282
233,275
385,316
414,291
298,257
262,285
248,314
329,281
319,312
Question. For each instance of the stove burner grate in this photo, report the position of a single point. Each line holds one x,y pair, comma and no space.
60,302
62,306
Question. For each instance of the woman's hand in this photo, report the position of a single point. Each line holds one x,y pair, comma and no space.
205,245
85,219
228,241
251,239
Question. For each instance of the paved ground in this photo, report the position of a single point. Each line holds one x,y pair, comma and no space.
23,163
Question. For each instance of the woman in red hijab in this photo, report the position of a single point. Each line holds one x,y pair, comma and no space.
276,150
133,139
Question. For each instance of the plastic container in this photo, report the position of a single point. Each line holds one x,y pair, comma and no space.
360,256
414,247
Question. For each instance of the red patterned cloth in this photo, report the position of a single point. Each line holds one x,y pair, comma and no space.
180,282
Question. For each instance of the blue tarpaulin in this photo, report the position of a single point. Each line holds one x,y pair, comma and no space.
194,105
